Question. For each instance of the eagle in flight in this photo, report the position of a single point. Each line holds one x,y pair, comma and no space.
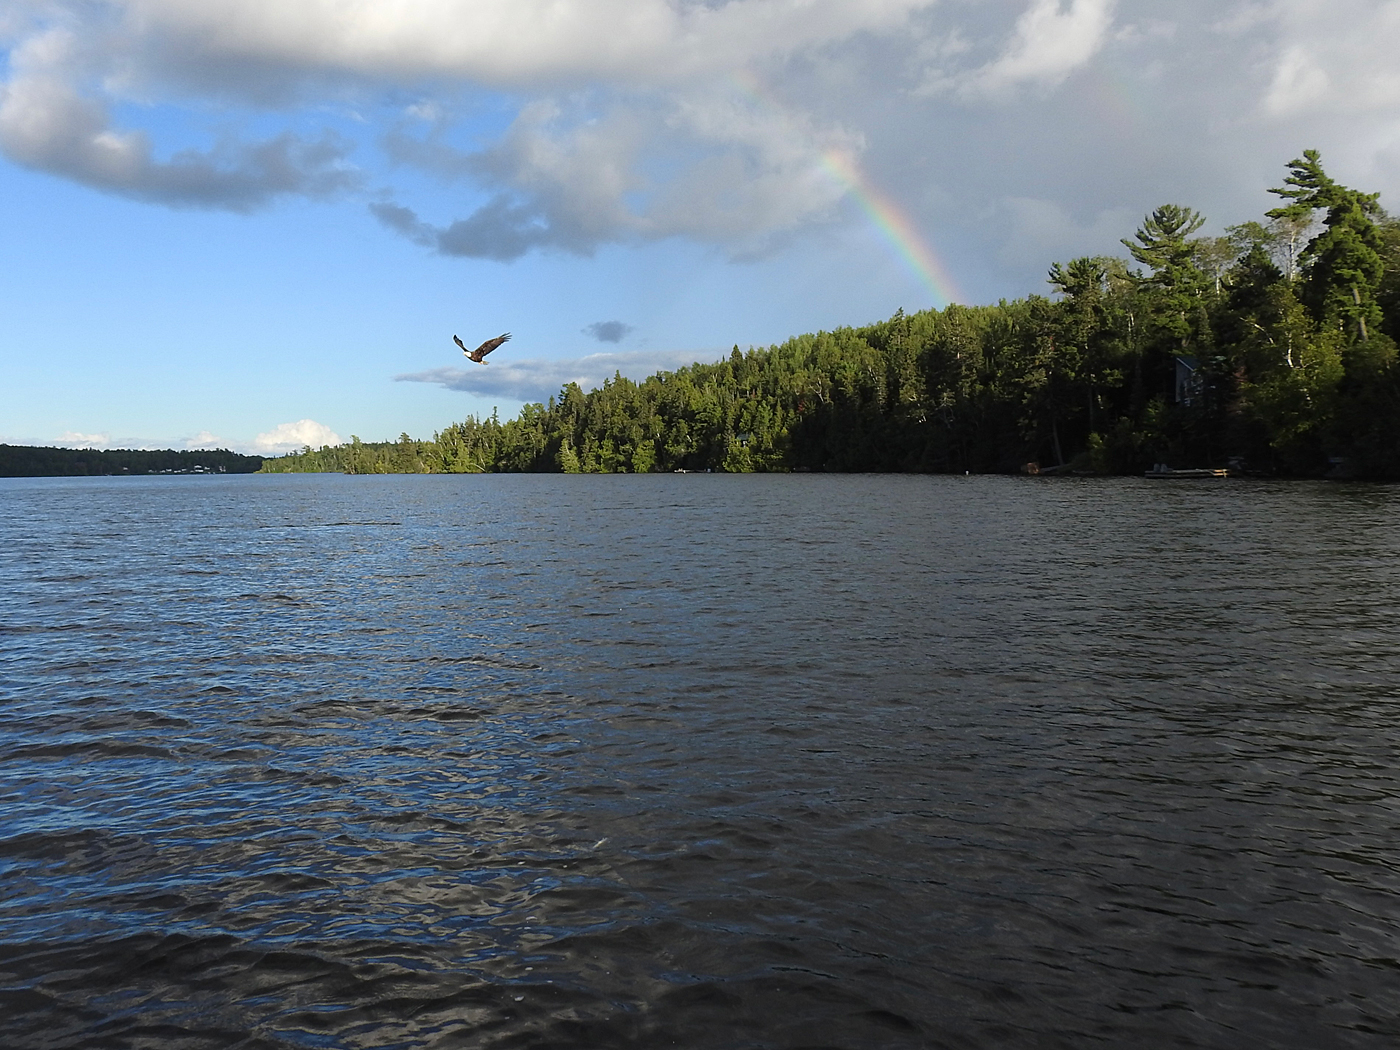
482,350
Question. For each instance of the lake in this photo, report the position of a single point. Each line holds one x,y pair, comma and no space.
317,761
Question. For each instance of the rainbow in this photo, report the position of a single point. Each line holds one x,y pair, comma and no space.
894,226
889,220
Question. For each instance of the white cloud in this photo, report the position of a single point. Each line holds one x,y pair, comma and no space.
1298,81
505,43
205,440
292,437
74,439
1337,57
539,380
1053,38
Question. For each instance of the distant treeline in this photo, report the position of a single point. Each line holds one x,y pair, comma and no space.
27,461
1272,348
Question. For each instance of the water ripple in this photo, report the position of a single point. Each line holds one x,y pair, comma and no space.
702,761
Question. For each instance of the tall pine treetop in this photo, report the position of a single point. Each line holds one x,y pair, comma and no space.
1307,188
1342,265
1162,239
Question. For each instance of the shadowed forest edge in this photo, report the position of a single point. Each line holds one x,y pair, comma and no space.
1271,349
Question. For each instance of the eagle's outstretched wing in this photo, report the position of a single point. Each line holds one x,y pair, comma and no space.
485,348
462,345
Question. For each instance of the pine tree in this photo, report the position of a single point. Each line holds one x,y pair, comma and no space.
1342,266
1163,243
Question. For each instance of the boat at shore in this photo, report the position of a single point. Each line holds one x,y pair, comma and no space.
1162,471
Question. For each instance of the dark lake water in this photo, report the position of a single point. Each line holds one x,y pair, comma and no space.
698,761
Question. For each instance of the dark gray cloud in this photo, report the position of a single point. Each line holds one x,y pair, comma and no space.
404,221
608,331
499,230
711,163
241,177
538,380
233,177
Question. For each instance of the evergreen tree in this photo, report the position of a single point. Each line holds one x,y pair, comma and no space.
1342,266
1163,244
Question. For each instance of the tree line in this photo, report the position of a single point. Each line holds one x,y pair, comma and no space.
1271,349
30,461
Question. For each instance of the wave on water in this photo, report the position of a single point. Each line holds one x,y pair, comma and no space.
697,761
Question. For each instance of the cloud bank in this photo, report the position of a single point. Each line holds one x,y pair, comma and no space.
618,102
492,129
281,439
48,123
534,380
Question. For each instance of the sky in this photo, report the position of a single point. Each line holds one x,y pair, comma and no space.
257,224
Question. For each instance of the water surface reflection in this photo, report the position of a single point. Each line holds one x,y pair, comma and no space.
319,761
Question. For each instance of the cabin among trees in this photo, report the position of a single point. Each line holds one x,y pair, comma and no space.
1272,347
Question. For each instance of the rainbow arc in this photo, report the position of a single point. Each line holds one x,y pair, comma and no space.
894,226
889,220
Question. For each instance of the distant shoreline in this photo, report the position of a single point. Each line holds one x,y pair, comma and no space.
40,461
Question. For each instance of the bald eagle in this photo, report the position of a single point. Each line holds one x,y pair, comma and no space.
482,350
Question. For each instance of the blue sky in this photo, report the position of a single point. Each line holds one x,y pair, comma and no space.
248,223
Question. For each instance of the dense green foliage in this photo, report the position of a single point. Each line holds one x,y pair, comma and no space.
26,461
1271,348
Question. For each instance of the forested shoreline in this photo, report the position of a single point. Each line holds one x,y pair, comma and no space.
1271,349
36,461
